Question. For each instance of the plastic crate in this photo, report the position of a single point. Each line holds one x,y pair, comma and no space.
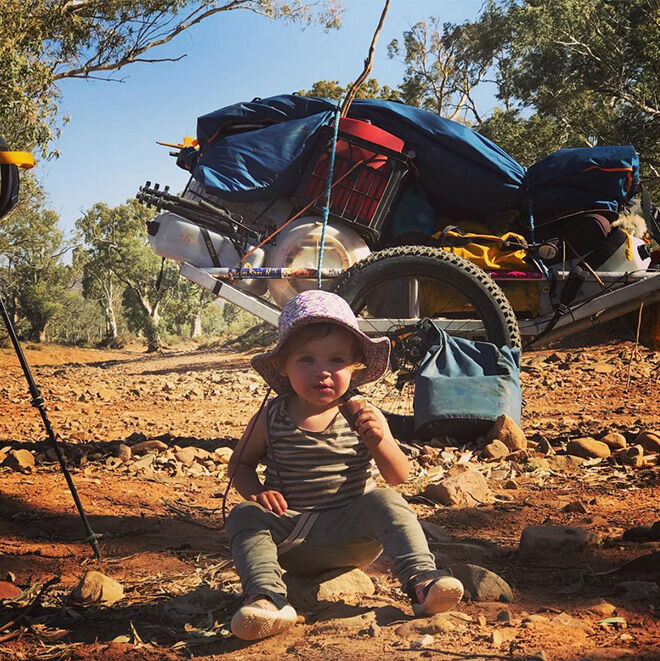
366,177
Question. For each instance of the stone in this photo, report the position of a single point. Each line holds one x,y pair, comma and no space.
422,641
306,591
152,446
504,616
575,506
450,552
434,532
565,462
614,440
439,623
223,455
547,544
481,583
185,455
536,618
496,449
602,608
544,447
566,620
588,448
8,590
468,489
3,456
95,587
142,463
631,456
637,534
638,590
20,460
123,452
649,440
508,432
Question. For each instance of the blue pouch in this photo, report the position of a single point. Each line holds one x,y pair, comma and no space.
462,386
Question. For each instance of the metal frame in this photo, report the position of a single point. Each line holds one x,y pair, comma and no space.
643,286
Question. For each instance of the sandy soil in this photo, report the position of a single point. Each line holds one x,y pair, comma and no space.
161,529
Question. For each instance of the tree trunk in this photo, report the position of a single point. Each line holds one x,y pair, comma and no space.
110,322
152,331
196,325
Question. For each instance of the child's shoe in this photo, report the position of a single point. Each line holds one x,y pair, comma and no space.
434,592
260,618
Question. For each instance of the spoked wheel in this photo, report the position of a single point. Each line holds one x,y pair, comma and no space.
394,291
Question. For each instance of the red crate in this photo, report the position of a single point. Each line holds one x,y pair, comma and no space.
366,176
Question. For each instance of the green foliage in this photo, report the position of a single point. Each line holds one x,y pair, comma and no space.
115,243
78,321
44,41
32,277
370,89
586,72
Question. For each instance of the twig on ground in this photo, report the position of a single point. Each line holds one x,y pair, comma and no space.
633,353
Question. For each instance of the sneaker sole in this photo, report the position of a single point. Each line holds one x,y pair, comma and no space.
254,623
443,596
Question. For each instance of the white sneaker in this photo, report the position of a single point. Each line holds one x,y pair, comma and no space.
255,621
437,595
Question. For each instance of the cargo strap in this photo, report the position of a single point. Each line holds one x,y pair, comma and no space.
209,246
303,526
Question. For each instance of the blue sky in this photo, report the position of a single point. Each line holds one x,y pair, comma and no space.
108,148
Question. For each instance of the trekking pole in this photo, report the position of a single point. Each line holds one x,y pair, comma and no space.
38,402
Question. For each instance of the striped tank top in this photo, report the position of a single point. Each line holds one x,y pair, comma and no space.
318,470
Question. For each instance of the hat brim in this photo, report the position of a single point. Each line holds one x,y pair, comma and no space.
375,352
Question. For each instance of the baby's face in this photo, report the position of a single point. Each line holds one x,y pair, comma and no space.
320,369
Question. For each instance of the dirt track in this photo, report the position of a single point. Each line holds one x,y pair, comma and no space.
161,528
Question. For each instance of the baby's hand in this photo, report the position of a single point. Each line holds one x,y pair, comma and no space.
371,425
272,500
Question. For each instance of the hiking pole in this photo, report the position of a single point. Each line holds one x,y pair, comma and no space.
38,402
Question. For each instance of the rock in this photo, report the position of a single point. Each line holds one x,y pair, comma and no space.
550,543
306,591
3,456
495,449
637,534
510,484
123,452
20,460
439,623
588,448
434,532
454,552
654,534
565,462
614,440
544,447
602,608
95,587
8,590
142,463
360,622
649,440
566,620
496,638
536,618
153,446
638,590
504,616
482,584
508,432
422,641
185,455
222,455
632,456
468,489
575,506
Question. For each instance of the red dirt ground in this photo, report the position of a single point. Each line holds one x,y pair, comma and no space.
166,556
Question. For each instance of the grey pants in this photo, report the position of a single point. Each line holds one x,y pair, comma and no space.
349,536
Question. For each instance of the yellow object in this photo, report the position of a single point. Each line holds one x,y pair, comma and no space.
188,141
487,251
21,159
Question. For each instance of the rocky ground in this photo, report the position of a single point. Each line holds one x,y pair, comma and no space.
551,530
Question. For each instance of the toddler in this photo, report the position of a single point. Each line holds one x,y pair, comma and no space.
319,507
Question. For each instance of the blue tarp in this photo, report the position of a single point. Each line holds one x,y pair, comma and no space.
258,151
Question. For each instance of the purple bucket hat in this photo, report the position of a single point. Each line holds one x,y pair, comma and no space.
318,306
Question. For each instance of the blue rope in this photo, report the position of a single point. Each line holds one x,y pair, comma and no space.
326,206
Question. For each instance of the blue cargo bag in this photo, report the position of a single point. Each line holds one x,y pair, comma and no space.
462,386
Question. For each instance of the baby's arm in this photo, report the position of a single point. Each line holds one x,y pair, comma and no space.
371,425
243,463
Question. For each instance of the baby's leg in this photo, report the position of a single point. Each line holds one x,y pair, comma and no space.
254,533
